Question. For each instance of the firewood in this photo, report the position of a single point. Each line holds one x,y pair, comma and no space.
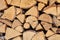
8,1
40,6
17,38
51,10
39,36
58,17
18,11
1,14
25,4
26,25
56,21
3,5
45,17
43,1
54,37
32,20
7,22
39,27
32,11
16,23
46,25
11,33
15,2
49,33
19,29
3,28
54,29
9,13
21,17
28,35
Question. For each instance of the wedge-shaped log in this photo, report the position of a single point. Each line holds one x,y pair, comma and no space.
9,13
28,35
46,25
32,11
45,17
11,33
3,5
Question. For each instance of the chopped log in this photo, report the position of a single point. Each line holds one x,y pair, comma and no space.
45,17
3,5
15,2
9,13
54,37
16,23
19,29
40,6
43,1
51,10
58,1
46,25
32,11
56,21
26,25
28,35
21,17
54,29
11,33
25,4
39,27
8,1
1,14
18,11
49,33
7,22
3,28
32,21
39,36
51,2
17,38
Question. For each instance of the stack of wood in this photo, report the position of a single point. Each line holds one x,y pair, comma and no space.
29,19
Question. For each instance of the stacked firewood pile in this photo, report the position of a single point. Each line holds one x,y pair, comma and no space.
29,19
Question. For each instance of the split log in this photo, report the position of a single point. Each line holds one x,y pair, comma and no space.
58,1
9,13
7,22
8,1
25,4
45,17
49,33
33,11
3,5
40,6
19,29
46,25
11,33
28,35
39,36
39,27
21,17
3,28
16,23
